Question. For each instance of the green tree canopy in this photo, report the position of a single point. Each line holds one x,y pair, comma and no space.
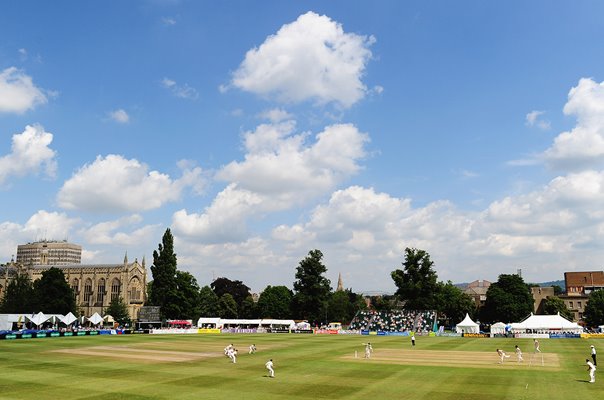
594,309
164,286
208,302
554,305
508,299
311,288
119,311
417,282
275,302
237,289
52,293
248,309
227,307
453,302
186,299
343,306
19,296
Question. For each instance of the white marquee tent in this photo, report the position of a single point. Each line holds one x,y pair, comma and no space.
536,323
467,326
498,328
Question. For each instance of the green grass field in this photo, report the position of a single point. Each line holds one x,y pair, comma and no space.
306,367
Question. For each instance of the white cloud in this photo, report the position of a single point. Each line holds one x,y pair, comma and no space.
311,58
22,54
18,92
182,91
119,116
113,184
41,225
30,154
534,118
583,146
105,232
280,171
275,115
168,21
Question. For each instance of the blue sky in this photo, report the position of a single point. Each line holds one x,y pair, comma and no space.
258,131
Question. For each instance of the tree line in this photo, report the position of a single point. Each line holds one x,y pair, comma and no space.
51,294
180,297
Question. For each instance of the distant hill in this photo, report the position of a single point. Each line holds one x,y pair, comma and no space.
542,284
553,283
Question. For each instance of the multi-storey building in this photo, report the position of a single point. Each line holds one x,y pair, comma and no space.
477,290
49,253
578,287
94,285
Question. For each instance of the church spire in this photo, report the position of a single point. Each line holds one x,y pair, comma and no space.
126,258
340,287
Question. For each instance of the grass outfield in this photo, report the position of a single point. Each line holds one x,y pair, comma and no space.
306,366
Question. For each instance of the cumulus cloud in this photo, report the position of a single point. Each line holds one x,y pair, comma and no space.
105,232
115,184
182,91
583,146
119,116
41,225
30,154
311,58
534,118
275,115
280,170
18,92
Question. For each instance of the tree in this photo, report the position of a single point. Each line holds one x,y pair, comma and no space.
557,290
235,288
417,282
380,303
508,299
227,307
163,289
52,293
248,308
343,306
208,302
18,297
453,302
119,311
275,302
311,289
594,309
186,298
554,305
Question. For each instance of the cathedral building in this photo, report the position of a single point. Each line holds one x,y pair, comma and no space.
94,285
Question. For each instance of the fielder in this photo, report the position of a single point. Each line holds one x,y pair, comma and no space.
536,344
252,349
592,371
502,355
368,350
593,355
519,354
269,367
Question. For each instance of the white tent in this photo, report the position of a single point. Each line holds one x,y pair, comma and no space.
68,319
467,326
537,323
498,328
95,319
38,319
204,321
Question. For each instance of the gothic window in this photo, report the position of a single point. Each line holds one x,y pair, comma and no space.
87,290
135,290
100,293
115,289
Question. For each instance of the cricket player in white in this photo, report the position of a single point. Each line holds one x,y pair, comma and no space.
269,367
232,354
519,354
502,355
536,344
368,350
593,355
252,349
592,370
